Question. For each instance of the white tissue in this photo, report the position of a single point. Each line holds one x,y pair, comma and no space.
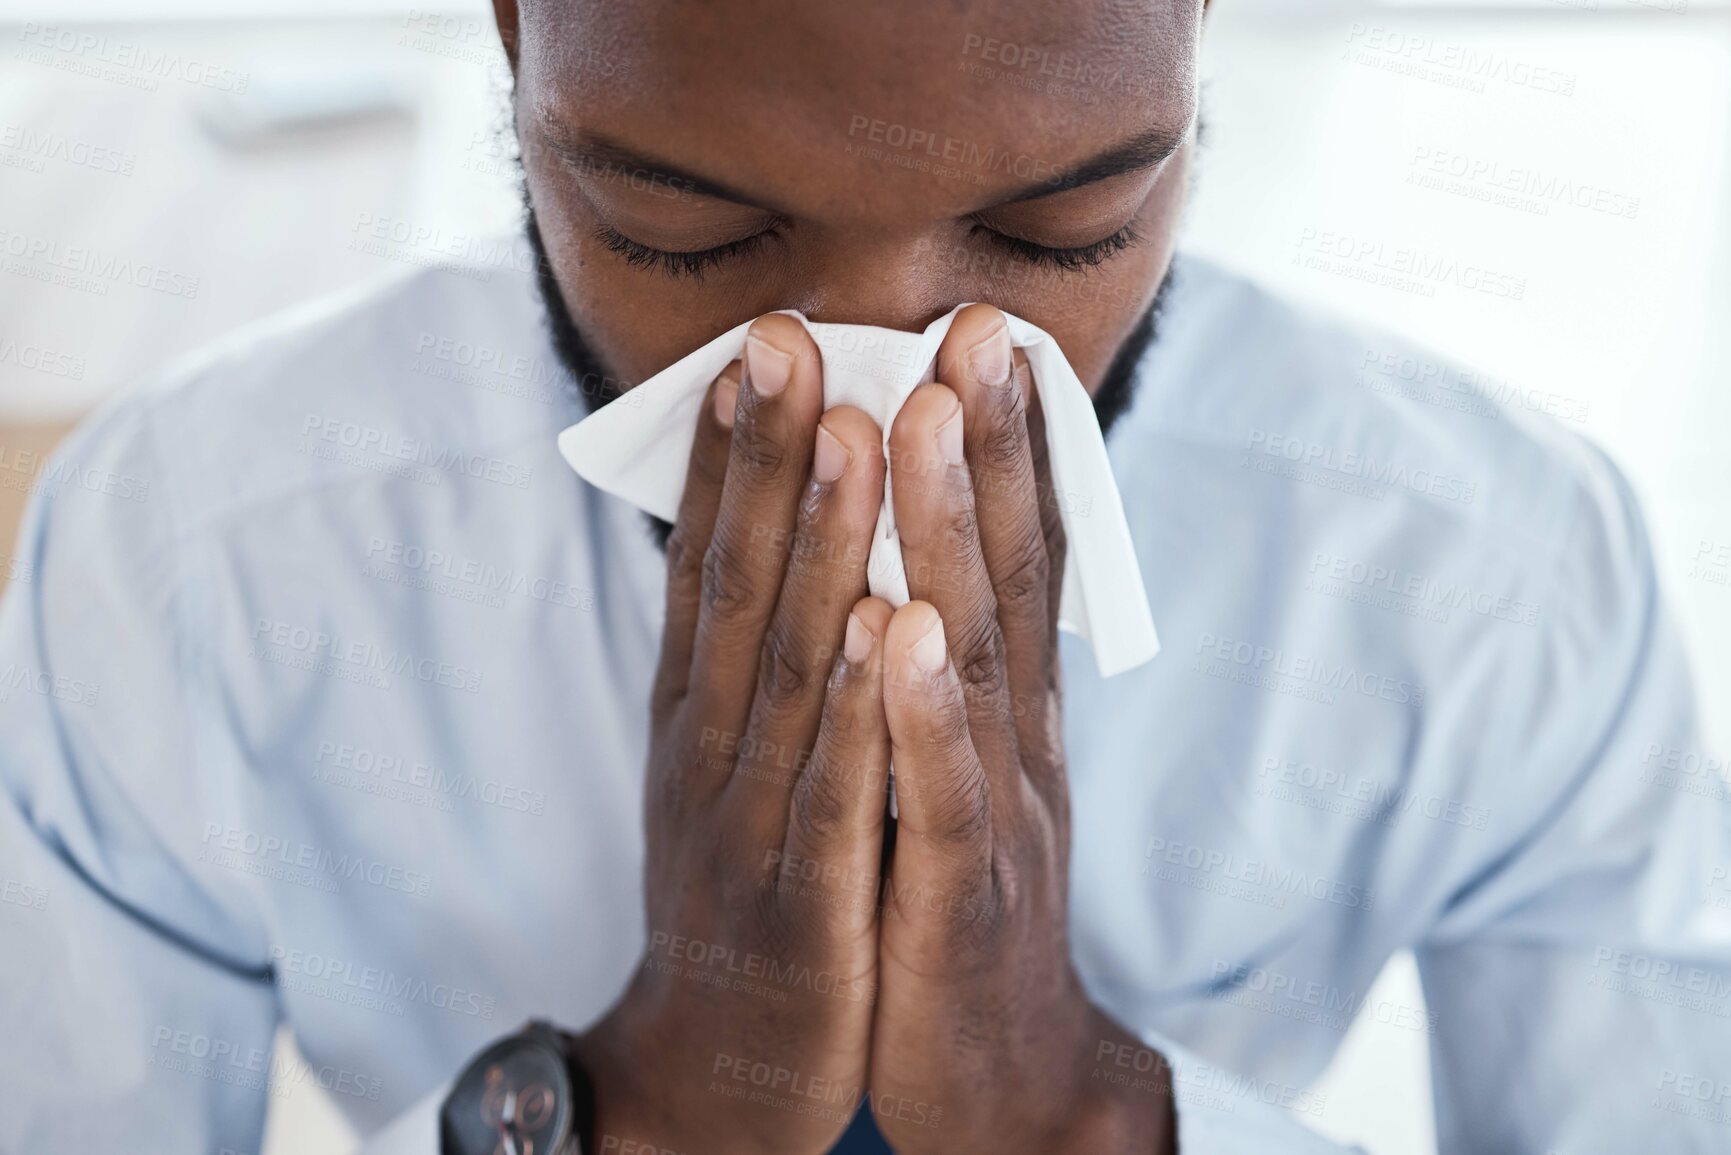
638,448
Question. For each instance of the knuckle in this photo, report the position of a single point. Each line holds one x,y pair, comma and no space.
960,534
685,557
844,723
963,807
948,729
1003,448
727,584
980,657
1023,588
818,806
786,668
758,453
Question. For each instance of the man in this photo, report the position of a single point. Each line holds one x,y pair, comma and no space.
339,701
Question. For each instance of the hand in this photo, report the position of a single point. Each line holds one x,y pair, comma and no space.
981,1017
747,1028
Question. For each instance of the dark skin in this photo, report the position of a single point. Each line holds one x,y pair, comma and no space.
934,975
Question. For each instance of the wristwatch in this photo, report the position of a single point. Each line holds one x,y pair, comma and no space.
523,1095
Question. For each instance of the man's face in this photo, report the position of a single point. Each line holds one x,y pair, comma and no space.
693,165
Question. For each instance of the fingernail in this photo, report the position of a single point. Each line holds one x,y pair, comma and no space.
831,458
767,368
859,640
930,653
990,359
949,437
726,401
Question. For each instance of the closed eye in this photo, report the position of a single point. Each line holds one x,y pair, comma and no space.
1069,259
679,264
694,263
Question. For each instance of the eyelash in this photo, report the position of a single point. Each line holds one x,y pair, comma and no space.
1069,260
694,264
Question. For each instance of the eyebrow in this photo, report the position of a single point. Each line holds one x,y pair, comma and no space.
605,158
1138,154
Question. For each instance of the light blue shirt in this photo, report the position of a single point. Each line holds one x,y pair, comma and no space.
323,700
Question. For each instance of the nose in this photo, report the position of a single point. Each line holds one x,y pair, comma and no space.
896,285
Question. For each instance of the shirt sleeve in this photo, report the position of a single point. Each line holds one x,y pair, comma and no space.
1580,980
136,991
414,1132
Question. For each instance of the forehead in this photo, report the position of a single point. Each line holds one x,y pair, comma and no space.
855,106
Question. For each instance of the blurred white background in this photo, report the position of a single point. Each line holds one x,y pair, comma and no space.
1396,125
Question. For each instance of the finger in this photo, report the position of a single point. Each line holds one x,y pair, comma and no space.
768,465
936,520
1051,505
944,801
1042,749
825,576
689,540
835,824
978,364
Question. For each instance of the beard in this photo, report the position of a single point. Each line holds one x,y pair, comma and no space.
596,384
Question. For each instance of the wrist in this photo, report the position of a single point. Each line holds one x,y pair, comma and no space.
653,1092
1122,1100
622,1109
